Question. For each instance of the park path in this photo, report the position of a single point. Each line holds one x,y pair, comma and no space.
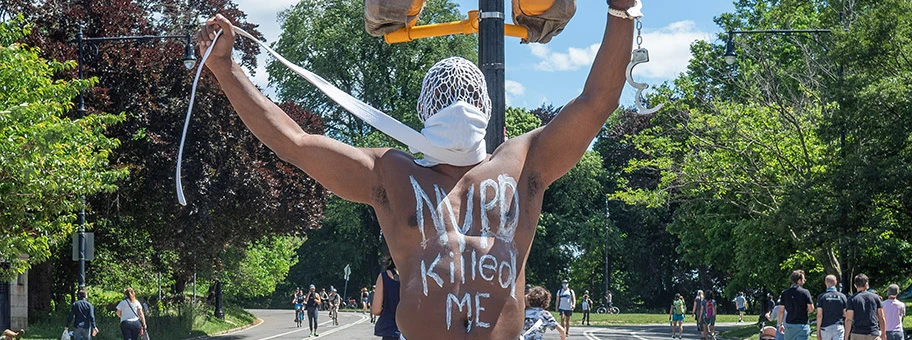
279,325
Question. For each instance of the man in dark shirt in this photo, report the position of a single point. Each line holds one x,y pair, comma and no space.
797,302
82,315
864,313
831,312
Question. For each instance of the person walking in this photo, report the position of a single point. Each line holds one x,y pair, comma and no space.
740,303
132,319
586,306
566,301
365,298
676,316
385,302
865,318
82,316
312,305
894,312
831,312
698,310
709,316
370,302
797,302
537,318
334,301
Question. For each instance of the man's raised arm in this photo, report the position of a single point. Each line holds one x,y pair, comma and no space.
330,162
557,147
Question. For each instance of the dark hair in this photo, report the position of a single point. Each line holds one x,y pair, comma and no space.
538,297
797,275
711,295
860,280
81,294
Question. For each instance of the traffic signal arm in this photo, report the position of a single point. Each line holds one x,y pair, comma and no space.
467,26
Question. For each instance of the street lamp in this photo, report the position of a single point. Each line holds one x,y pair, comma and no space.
189,61
730,55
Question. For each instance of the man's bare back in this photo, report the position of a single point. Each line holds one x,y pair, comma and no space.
460,236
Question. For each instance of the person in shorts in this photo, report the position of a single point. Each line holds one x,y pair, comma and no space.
566,301
676,316
740,303
709,316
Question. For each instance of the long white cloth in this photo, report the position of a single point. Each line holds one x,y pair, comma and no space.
413,139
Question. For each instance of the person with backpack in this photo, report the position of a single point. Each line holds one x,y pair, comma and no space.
676,316
709,316
566,301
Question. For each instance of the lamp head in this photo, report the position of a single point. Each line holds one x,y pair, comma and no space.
189,55
730,55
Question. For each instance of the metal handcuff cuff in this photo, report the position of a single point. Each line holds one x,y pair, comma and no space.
639,56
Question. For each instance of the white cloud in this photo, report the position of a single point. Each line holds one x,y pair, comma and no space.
669,52
266,15
669,49
574,59
514,90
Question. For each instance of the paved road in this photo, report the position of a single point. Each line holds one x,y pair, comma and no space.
279,325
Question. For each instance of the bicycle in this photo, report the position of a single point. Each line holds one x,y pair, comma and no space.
603,309
299,314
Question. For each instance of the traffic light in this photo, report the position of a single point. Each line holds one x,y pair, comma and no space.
543,18
385,16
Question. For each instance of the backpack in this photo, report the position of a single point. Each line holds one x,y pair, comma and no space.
710,308
678,307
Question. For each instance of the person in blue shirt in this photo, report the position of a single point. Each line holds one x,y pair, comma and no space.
82,317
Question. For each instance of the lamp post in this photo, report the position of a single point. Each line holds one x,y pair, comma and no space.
81,42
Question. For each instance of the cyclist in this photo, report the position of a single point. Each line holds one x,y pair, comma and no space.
324,296
298,301
334,301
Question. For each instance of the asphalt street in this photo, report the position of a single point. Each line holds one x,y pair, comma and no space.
279,325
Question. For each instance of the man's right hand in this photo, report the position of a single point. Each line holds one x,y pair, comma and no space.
221,53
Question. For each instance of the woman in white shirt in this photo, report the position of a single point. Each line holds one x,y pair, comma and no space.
132,319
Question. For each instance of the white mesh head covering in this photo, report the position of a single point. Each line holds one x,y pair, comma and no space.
449,81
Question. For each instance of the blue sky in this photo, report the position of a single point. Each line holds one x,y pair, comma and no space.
554,73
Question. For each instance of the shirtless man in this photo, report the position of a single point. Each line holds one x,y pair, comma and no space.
459,234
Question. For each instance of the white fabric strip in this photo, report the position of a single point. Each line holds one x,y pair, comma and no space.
376,118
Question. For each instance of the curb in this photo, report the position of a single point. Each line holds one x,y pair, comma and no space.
255,322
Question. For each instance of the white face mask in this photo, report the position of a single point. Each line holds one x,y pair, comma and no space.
459,128
566,285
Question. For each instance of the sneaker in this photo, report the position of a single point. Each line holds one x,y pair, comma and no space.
316,334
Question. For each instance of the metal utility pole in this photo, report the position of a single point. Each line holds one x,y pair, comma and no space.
491,60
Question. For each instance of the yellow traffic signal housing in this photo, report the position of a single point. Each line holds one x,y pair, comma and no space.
543,19
535,20
385,16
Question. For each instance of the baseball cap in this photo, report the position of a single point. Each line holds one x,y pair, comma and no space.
313,287
893,290
564,281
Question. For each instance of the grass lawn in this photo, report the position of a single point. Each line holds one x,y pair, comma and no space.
172,323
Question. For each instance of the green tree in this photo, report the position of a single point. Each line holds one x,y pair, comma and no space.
771,164
47,160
